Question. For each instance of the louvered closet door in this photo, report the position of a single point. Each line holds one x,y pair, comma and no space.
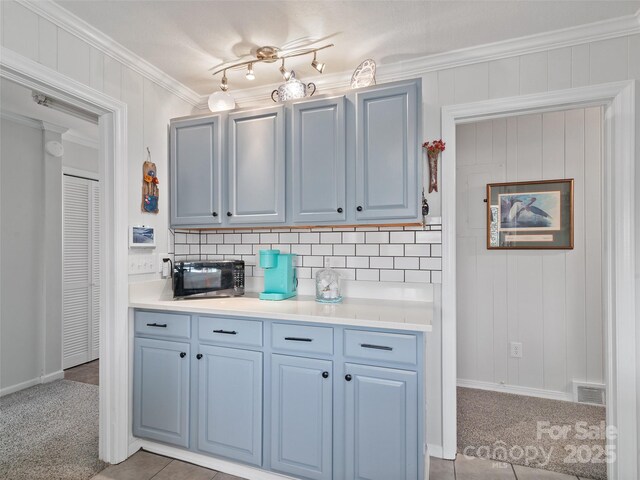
80,271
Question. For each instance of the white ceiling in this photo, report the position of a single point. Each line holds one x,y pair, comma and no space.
186,38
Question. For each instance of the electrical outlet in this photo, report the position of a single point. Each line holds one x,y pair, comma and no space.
516,350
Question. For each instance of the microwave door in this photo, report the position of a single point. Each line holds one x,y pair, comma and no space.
202,280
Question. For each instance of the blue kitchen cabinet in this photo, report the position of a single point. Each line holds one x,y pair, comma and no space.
381,423
256,166
161,391
301,416
387,153
195,172
318,161
229,413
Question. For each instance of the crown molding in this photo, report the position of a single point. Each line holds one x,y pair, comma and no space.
73,136
21,119
66,20
540,42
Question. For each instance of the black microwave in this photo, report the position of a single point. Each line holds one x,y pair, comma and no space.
224,278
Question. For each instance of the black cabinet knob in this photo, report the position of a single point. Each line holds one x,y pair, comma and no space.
199,356
215,214
183,354
359,208
347,377
229,214
340,210
325,374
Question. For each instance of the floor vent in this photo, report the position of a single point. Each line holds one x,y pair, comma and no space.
591,393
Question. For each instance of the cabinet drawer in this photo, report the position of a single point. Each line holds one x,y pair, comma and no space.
385,347
302,338
230,331
161,324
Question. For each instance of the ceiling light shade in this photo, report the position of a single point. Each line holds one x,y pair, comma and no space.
286,74
250,75
220,101
319,66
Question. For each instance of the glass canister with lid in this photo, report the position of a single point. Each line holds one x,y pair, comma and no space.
328,285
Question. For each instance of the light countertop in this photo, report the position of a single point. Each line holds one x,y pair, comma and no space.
390,314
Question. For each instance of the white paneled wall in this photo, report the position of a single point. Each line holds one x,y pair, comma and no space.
550,301
149,106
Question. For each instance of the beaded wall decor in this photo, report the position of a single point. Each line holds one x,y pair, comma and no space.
150,190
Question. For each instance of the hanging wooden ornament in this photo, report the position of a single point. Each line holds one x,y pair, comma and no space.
150,190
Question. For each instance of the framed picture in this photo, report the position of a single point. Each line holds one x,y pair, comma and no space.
530,215
142,236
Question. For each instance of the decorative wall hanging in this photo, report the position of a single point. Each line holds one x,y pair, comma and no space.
364,75
530,215
150,190
433,152
142,236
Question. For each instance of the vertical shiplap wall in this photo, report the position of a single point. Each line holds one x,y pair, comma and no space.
149,106
550,301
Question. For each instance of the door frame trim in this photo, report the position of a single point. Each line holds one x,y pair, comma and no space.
114,348
619,283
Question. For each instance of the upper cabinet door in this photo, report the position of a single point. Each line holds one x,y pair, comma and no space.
256,162
387,153
196,176
318,161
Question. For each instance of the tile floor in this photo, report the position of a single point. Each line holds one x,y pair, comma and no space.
85,373
145,466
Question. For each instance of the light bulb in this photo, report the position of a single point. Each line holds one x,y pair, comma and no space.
250,75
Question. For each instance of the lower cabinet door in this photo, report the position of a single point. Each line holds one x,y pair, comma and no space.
381,423
301,416
230,403
161,391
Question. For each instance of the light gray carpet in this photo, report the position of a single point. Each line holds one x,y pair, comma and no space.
50,432
495,419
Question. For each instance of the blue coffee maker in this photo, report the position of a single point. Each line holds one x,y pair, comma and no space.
280,279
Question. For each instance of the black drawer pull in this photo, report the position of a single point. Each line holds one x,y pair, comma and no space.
227,332
199,356
376,347
298,339
183,354
347,377
161,325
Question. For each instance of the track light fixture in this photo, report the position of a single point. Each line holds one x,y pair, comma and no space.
269,54
286,74
224,86
319,66
250,75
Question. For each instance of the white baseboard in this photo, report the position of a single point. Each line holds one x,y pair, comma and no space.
224,466
30,383
516,390
434,450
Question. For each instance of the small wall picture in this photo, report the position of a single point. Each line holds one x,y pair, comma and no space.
142,236
530,215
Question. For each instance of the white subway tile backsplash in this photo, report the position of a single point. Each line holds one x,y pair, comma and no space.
330,237
358,262
377,237
417,250
347,250
367,274
368,250
381,262
402,237
309,238
353,237
429,237
386,254
288,238
422,276
391,250
406,263
392,275
322,249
